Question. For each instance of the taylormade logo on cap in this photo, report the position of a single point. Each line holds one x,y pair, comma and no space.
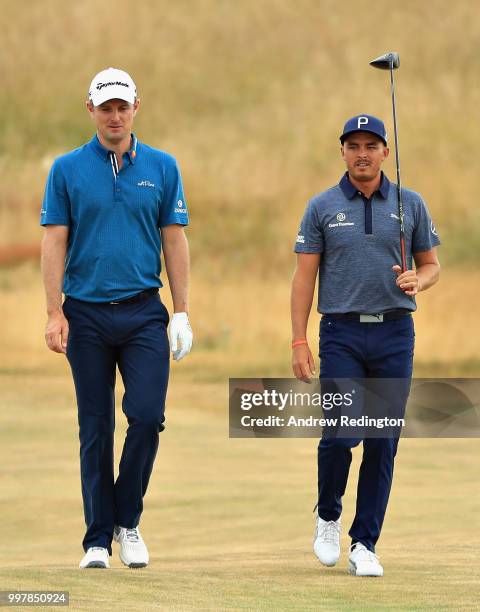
102,85
364,123
110,84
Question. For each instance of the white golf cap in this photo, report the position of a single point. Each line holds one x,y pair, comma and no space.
112,83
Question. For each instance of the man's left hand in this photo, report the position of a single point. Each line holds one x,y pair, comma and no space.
181,335
407,281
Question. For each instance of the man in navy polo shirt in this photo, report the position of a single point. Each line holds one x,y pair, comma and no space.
110,207
349,236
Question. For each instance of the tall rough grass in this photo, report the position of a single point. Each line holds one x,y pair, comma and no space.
242,327
250,97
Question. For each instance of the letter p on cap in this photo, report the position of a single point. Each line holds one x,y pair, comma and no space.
362,121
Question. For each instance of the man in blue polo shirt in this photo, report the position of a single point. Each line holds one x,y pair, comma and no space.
110,208
349,236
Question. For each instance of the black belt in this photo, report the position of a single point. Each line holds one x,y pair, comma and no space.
390,315
143,295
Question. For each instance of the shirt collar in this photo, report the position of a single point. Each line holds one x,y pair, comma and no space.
104,153
132,154
350,190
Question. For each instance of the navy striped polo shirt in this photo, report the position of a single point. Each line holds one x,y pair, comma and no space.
359,242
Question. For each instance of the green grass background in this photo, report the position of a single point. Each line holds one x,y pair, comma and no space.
250,97
229,523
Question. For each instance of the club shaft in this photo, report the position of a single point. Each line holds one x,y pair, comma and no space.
399,183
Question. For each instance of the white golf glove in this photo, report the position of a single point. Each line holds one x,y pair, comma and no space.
181,335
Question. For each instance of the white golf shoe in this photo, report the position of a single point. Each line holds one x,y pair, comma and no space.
363,562
133,551
95,557
326,543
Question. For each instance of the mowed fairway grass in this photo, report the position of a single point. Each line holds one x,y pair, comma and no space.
228,522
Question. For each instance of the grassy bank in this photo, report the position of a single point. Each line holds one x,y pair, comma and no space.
251,98
242,327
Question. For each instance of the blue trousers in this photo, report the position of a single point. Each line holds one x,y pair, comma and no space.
350,349
134,337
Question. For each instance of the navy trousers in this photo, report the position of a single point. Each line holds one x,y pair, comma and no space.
134,337
350,349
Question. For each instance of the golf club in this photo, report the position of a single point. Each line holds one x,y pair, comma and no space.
391,61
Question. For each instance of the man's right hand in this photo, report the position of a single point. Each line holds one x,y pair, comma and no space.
56,332
303,363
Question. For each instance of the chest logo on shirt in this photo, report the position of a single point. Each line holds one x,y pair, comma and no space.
145,184
394,216
341,216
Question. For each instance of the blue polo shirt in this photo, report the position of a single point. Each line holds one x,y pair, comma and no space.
114,217
359,242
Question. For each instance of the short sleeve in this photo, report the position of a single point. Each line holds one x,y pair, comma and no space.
424,235
56,203
310,235
173,209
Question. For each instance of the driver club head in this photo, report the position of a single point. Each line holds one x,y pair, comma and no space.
387,61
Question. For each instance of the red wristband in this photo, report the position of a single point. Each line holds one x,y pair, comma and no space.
299,343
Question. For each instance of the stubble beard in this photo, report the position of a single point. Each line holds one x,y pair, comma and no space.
363,177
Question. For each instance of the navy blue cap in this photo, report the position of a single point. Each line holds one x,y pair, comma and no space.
365,123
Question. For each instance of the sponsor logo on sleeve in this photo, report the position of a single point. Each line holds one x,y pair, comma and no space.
433,229
180,207
301,236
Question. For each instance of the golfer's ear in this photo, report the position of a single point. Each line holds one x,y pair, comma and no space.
89,105
386,152
136,104
342,152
